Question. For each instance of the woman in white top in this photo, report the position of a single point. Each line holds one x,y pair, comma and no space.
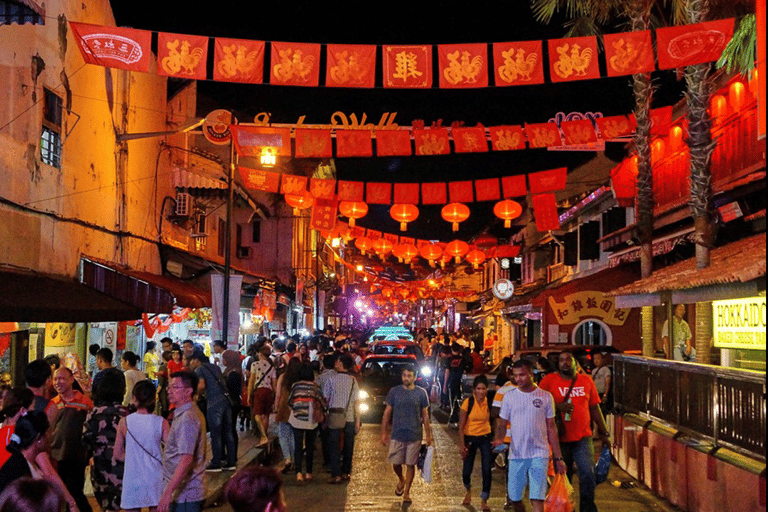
132,375
138,443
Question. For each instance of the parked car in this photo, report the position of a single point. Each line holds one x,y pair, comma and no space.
378,374
401,347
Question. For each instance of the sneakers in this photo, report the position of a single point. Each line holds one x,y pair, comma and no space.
213,468
229,467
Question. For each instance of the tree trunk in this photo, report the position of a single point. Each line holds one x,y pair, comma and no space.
703,339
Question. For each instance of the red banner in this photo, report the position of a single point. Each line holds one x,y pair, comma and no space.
470,140
433,141
461,191
623,182
578,132
351,191
251,140
463,65
372,234
407,67
350,65
311,143
548,181
295,185
378,193
543,135
238,60
629,53
434,193
513,186
506,138
545,212
487,190
323,215
393,143
257,179
615,127
391,237
182,56
406,193
323,189
295,64
353,143
573,58
692,44
113,47
518,63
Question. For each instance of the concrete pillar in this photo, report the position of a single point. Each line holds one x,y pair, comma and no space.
703,337
649,345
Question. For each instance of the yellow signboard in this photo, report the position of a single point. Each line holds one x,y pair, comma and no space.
589,304
59,335
739,323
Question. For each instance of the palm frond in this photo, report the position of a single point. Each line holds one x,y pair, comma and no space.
544,10
739,54
582,26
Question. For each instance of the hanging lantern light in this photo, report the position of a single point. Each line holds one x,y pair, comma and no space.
364,244
409,252
383,247
397,252
431,253
404,213
507,210
737,95
353,210
455,213
754,83
457,249
719,107
475,257
299,202
676,137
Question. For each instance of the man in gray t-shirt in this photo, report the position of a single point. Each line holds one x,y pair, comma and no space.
408,409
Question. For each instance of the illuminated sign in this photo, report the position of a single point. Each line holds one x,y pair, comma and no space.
588,304
739,323
503,289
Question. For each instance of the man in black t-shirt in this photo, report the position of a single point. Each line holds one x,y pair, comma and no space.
454,369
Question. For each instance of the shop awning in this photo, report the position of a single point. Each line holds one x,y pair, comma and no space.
151,293
35,297
735,270
21,12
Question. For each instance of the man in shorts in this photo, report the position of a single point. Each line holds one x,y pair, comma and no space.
530,412
408,409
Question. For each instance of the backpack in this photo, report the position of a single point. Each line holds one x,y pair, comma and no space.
472,404
279,364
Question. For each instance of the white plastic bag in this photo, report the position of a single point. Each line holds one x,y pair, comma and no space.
426,470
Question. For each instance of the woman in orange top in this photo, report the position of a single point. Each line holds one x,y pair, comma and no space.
476,432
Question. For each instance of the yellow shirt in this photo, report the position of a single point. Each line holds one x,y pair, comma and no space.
478,421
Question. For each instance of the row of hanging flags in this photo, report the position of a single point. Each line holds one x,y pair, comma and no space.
403,66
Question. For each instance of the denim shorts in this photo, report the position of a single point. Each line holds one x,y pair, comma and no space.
527,471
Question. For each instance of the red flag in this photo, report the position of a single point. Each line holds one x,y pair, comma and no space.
322,189
574,58
258,179
407,67
629,53
378,193
238,60
487,190
393,143
470,140
113,47
505,138
357,232
460,191
324,215
296,185
543,135
545,212
351,143
433,141
518,63
578,132
295,64
548,181
661,119
391,237
693,44
406,193
372,234
351,191
623,182
463,65
182,56
350,65
251,140
434,193
513,186
311,143
614,127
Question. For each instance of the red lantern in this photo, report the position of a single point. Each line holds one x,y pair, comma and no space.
737,95
353,210
507,251
404,213
475,257
382,247
455,213
405,252
431,253
299,202
457,249
676,137
507,210
719,107
364,244
657,150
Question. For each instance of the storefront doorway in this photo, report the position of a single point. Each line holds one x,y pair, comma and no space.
592,332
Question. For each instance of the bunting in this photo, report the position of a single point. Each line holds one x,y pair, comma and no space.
350,65
406,193
407,67
506,138
257,179
434,193
545,212
433,141
629,53
693,44
520,63
182,56
393,143
113,47
463,65
238,60
295,64
353,143
311,143
573,58
470,140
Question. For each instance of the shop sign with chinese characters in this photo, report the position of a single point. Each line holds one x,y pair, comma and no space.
588,304
739,323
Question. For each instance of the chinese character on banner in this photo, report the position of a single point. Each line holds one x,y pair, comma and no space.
251,140
543,135
578,132
518,63
324,213
614,127
434,193
182,56
693,44
460,191
548,181
513,186
573,58
545,212
407,67
629,53
113,47
487,190
322,189
257,179
406,193
463,65
432,141
393,143
313,143
353,143
506,138
378,193
291,184
350,65
351,190
295,64
238,60
470,140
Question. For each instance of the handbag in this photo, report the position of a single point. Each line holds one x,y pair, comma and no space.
337,417
559,423
318,411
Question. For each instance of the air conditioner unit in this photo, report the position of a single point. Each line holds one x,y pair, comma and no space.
184,204
199,228
244,253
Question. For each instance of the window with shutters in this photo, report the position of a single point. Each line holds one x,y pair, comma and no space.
50,138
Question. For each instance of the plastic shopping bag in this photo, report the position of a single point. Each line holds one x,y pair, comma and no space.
426,465
559,495
603,465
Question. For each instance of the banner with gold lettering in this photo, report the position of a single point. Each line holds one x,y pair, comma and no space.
393,143
312,143
573,58
487,189
351,191
258,179
113,47
353,143
543,135
470,140
686,45
513,186
578,132
433,141
406,193
182,56
407,67
324,214
378,193
545,212
251,140
295,185
295,64
614,127
518,63
629,53
506,138
350,65
322,189
434,193
238,60
460,191
551,180
463,65
587,304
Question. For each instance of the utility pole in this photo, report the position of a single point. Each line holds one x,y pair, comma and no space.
228,237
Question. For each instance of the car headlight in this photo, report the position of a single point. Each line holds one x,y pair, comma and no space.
363,395
426,371
364,407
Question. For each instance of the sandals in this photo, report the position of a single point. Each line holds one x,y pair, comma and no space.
335,480
399,490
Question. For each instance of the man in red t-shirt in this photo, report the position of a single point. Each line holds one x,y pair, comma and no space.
578,412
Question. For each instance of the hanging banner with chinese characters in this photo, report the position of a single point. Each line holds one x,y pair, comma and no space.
113,47
407,67
258,179
545,212
629,53
182,56
350,65
393,143
434,193
351,190
519,63
470,140
238,60
354,143
252,140
693,44
543,135
312,143
463,65
573,58
432,141
324,213
587,304
295,64
507,138
406,193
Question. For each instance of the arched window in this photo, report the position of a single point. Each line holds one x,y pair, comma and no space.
592,332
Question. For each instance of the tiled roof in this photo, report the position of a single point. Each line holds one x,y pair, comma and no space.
740,261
